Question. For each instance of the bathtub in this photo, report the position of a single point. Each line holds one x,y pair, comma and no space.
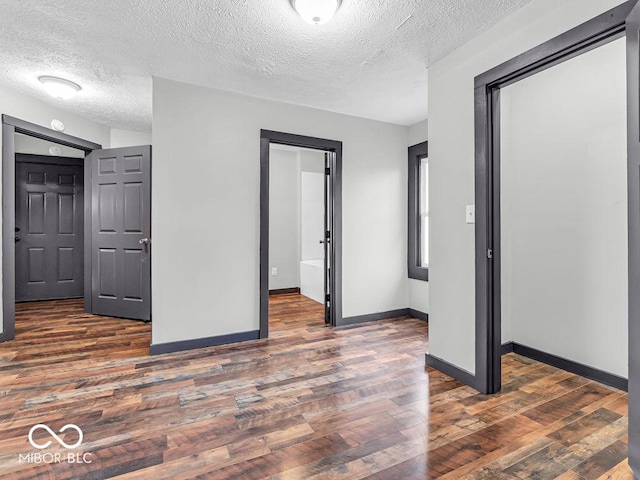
312,279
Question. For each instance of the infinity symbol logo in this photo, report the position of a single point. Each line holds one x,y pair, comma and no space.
52,433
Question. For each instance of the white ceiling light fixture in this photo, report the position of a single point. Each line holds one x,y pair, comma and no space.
316,12
59,87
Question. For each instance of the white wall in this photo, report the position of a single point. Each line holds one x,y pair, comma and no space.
418,289
311,160
311,215
117,138
311,204
418,133
284,219
128,138
41,113
206,180
37,146
564,210
451,162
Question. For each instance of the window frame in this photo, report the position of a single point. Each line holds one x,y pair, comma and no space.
415,270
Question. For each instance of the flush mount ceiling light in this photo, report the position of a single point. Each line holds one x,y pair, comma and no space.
316,12
59,87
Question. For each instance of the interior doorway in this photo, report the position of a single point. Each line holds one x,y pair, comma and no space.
595,33
563,192
621,21
298,219
49,231
76,223
313,254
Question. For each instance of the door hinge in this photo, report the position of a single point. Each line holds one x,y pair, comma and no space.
327,235
489,253
327,171
327,298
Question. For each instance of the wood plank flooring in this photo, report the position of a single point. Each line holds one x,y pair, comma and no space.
309,402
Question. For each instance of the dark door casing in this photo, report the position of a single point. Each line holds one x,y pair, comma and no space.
633,179
327,236
121,232
49,229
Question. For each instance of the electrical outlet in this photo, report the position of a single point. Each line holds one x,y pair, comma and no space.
471,214
274,271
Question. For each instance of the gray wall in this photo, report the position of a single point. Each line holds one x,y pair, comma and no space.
564,210
284,218
128,138
451,159
206,180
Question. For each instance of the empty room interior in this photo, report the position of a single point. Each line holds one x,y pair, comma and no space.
309,239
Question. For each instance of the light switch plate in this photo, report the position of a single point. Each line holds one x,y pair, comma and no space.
274,271
471,214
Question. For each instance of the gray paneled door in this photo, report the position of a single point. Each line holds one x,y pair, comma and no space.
328,210
121,232
49,230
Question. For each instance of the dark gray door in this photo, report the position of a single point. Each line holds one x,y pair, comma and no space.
49,229
121,232
329,286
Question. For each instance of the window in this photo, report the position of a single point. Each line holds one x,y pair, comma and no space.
418,252
424,212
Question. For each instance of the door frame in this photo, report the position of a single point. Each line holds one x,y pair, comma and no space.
11,126
268,137
596,32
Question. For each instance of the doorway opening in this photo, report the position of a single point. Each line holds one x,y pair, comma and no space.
598,32
49,231
300,251
76,228
621,21
563,215
297,237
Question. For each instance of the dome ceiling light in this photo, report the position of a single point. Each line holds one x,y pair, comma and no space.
59,87
316,12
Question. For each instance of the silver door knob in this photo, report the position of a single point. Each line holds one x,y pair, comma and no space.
144,241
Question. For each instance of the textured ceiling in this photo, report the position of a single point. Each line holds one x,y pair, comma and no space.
358,64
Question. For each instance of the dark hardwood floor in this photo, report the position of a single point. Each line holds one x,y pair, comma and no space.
292,311
57,331
310,402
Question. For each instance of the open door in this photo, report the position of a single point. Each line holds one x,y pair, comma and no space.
327,237
118,233
329,228
633,179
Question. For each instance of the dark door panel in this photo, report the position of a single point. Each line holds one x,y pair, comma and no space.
120,232
49,229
